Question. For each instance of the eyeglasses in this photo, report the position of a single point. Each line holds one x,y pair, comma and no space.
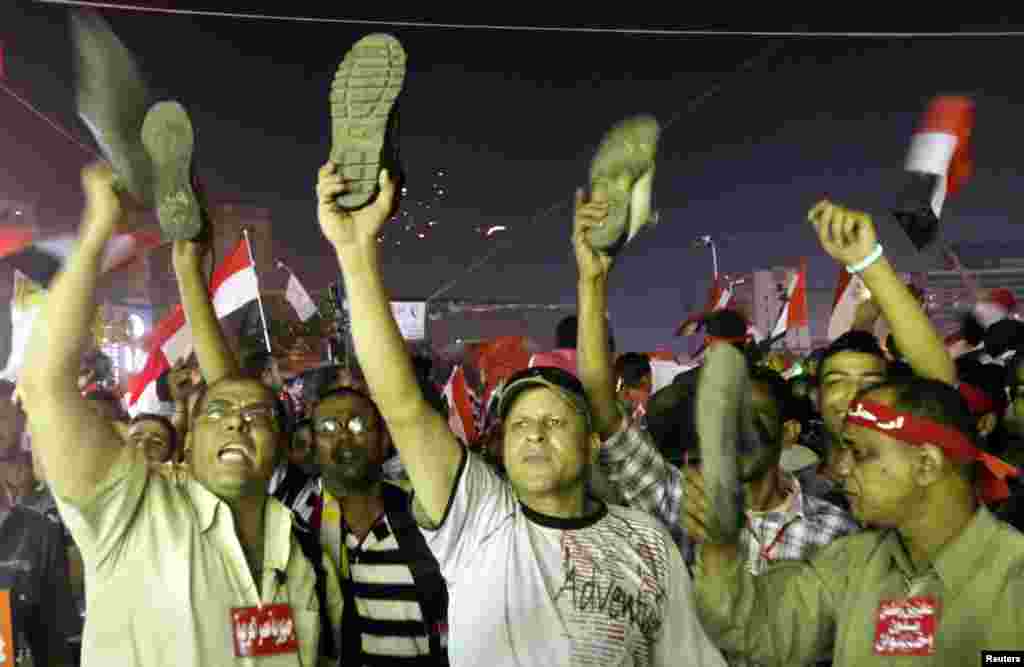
260,415
329,425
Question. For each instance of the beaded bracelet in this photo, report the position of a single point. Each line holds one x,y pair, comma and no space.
867,261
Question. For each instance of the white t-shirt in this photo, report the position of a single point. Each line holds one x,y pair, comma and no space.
527,589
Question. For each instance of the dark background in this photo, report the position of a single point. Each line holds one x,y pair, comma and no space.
505,123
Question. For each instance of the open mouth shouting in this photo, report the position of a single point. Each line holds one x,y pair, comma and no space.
237,454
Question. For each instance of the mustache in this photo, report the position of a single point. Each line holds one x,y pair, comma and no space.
345,455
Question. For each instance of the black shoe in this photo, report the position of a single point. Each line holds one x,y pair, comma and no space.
168,138
364,92
112,100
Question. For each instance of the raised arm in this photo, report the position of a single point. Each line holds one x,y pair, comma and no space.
785,616
849,237
430,451
216,360
77,447
594,359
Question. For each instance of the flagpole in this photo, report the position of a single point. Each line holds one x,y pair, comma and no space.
259,296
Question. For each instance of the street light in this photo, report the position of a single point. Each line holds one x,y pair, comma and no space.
707,242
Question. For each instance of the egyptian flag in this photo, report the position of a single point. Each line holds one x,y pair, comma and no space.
938,164
233,286
457,397
850,293
41,258
720,297
995,307
794,311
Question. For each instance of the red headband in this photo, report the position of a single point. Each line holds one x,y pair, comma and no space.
914,430
977,400
711,340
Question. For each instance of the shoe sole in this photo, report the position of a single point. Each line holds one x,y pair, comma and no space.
626,154
722,390
168,137
365,89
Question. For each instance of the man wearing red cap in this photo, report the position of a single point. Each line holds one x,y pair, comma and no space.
939,577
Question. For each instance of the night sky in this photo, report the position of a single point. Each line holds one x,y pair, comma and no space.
512,119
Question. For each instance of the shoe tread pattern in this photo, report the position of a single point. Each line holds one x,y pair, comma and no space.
365,89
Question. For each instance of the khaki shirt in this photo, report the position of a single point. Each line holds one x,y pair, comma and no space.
164,568
796,611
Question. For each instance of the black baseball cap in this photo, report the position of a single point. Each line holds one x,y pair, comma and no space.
549,377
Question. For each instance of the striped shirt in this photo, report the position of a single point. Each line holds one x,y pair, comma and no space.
386,610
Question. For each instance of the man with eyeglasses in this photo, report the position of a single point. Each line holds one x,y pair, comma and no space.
396,601
194,567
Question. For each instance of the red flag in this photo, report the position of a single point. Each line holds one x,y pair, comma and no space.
798,299
951,117
794,312
499,358
720,297
842,282
938,164
460,407
42,258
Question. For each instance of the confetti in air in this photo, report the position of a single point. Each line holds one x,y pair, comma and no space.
422,216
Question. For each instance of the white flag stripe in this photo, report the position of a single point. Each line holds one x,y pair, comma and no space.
782,324
931,152
663,373
236,291
454,420
846,308
988,313
723,299
149,403
57,247
299,298
23,319
119,250
178,346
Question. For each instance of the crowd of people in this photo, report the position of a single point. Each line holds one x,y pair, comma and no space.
874,516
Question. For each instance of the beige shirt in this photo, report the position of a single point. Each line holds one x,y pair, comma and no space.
798,610
164,568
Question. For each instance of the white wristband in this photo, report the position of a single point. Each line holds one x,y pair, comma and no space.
867,261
